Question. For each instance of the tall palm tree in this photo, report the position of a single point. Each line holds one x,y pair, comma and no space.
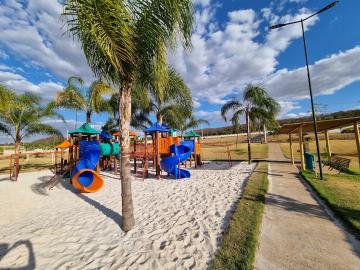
256,104
22,116
92,101
124,42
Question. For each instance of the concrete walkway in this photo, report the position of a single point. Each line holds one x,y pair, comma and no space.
297,233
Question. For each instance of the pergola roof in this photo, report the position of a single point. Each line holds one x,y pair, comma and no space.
322,125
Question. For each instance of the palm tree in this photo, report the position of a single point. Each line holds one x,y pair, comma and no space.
172,100
92,101
191,123
140,109
256,104
22,116
126,42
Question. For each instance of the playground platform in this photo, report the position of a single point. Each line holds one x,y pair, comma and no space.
297,232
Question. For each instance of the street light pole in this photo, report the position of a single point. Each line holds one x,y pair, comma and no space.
312,103
308,75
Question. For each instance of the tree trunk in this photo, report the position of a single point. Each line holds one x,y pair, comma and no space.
248,136
128,220
17,157
264,132
88,117
160,119
237,139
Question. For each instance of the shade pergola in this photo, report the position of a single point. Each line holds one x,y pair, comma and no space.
323,126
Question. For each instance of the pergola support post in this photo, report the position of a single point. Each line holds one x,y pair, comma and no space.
328,148
301,148
291,150
357,138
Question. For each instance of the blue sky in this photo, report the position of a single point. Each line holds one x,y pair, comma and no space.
232,47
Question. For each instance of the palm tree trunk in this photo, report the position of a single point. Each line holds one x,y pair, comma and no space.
17,157
88,117
248,136
128,220
264,132
160,119
75,118
237,138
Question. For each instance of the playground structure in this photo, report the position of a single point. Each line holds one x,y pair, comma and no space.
86,152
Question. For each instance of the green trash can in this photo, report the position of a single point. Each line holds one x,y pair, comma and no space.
309,161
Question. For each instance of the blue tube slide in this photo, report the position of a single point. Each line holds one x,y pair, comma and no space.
89,157
169,164
189,143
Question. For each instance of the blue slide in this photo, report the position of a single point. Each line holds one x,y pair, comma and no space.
189,143
88,180
169,164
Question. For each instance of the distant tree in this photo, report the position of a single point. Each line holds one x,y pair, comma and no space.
171,100
91,101
256,104
23,116
191,123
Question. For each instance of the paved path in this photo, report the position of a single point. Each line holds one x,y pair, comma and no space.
296,232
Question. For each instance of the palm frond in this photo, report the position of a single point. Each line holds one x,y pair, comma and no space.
230,105
96,93
39,128
104,29
5,129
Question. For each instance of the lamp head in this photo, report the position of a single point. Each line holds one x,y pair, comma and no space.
328,7
276,26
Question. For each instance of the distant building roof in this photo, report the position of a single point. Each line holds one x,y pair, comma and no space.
85,129
191,134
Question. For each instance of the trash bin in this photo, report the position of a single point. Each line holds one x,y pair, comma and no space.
309,161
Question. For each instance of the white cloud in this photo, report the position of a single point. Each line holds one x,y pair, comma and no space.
327,76
214,117
20,84
297,115
242,15
3,55
223,61
203,3
33,32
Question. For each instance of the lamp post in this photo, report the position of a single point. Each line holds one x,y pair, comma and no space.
308,75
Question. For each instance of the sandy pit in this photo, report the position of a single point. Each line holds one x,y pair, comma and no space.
178,222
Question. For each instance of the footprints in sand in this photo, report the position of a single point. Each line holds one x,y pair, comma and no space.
179,223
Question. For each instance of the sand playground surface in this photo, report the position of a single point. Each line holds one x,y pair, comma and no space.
178,222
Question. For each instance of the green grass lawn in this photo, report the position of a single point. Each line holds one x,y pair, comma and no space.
342,194
210,152
238,246
33,164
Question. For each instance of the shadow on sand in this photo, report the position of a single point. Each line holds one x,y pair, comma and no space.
42,188
7,248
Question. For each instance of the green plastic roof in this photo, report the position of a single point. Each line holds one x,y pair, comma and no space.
85,129
191,134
